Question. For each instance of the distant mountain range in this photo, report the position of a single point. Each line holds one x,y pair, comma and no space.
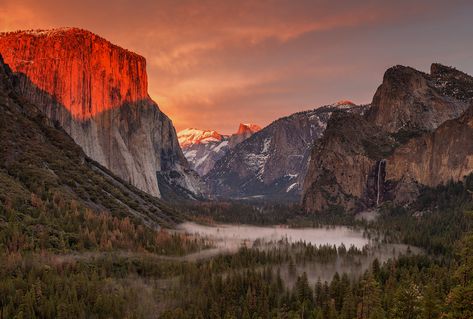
417,132
272,163
203,148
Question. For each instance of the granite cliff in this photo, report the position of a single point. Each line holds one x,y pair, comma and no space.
97,92
433,158
39,162
405,141
410,100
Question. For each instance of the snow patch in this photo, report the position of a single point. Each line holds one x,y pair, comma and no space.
291,187
191,136
190,155
266,145
201,160
219,147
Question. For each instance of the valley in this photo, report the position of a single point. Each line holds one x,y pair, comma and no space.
335,211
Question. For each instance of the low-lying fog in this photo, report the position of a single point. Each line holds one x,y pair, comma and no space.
229,238
354,266
232,237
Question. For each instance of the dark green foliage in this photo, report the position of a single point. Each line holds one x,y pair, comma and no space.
460,299
435,222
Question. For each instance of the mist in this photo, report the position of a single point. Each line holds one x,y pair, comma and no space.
228,239
231,237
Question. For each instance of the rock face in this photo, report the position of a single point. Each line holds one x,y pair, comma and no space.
431,159
410,100
98,93
399,145
344,162
203,148
34,151
272,163
244,132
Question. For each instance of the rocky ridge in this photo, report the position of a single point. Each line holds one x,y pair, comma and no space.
398,146
272,163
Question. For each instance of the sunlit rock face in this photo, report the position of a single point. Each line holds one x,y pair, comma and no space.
97,92
245,130
82,71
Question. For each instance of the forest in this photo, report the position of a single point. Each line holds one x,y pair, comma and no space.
61,260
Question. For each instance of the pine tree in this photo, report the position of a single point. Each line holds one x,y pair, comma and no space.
332,311
348,310
431,303
303,291
459,300
336,291
407,301
370,305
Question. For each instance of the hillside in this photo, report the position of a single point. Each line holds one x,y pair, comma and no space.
40,165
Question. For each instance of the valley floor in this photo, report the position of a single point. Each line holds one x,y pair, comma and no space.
237,271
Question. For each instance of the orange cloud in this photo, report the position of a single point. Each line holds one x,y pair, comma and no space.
214,63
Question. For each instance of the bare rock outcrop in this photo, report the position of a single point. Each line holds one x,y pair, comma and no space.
433,158
414,135
410,100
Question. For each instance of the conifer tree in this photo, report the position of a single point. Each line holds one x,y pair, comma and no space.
407,301
459,300
370,305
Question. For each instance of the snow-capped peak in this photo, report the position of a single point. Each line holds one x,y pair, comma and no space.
191,136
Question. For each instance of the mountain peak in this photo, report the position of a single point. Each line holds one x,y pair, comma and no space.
438,68
192,136
248,128
344,103
411,100
47,32
452,82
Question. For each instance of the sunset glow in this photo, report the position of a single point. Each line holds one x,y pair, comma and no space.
255,61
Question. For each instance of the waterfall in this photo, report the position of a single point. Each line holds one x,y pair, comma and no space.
380,164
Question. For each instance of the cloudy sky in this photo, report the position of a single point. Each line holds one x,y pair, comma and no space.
215,63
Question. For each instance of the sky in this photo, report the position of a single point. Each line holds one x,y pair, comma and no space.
213,64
